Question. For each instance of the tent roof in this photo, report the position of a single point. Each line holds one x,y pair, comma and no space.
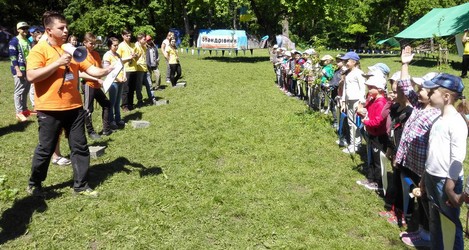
390,41
439,22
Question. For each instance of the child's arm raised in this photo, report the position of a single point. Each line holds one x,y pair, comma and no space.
405,84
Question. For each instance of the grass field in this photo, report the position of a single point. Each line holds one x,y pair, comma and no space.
231,162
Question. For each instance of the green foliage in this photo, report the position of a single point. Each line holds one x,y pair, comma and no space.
185,41
345,23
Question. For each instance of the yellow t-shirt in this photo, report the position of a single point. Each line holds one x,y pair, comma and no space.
125,50
173,55
47,96
112,59
142,58
466,48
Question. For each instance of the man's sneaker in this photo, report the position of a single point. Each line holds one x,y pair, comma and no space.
409,234
106,132
61,161
35,191
341,143
113,125
416,241
363,182
21,117
120,124
372,186
351,149
94,136
87,192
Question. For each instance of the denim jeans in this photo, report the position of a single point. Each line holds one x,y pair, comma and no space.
115,94
435,191
147,84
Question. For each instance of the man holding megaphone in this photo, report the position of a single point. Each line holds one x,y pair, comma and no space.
54,73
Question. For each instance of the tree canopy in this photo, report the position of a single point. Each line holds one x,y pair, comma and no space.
317,22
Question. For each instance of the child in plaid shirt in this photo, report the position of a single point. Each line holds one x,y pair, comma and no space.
412,150
446,153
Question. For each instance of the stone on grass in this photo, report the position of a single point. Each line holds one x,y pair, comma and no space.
180,85
140,124
96,151
161,102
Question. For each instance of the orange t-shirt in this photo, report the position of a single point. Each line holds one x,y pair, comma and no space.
47,96
94,58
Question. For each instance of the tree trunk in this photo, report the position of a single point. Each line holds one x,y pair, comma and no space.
262,20
235,25
187,25
285,27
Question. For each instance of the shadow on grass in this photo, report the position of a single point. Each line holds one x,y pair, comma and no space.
239,59
17,127
15,220
133,116
98,174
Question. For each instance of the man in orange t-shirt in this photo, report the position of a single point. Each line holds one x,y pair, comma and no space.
92,90
58,104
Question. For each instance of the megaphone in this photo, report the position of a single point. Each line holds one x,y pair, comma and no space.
79,53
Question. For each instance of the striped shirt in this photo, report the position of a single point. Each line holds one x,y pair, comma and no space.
412,150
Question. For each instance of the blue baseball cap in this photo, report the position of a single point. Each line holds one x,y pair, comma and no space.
446,81
381,67
351,55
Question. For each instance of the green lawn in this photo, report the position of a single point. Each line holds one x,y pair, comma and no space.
231,162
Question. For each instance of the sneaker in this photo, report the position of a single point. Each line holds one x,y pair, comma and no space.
21,117
372,186
351,149
395,220
363,182
35,191
106,132
416,241
341,143
94,136
113,125
32,112
386,214
87,192
61,161
409,234
120,123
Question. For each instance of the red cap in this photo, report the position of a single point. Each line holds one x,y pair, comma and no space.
148,38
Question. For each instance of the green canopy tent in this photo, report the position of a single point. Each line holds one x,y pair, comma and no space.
440,22
390,41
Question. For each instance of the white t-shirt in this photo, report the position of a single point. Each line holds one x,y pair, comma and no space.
447,146
354,87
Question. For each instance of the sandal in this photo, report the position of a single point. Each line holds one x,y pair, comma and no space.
61,161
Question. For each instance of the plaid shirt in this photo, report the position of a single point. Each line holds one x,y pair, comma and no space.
412,150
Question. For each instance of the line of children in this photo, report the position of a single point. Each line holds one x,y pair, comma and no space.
420,130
